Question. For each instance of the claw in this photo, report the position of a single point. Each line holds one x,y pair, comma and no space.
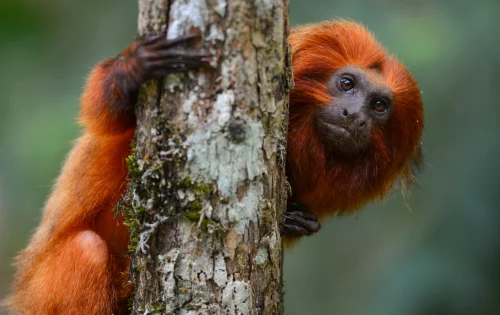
297,221
177,53
158,56
168,43
153,39
293,230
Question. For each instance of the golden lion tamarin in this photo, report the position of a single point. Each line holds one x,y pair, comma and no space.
356,121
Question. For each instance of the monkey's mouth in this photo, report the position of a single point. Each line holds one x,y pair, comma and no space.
332,128
337,137
336,128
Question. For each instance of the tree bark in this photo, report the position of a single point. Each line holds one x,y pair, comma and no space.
207,178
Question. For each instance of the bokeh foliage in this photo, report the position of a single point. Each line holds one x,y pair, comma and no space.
434,252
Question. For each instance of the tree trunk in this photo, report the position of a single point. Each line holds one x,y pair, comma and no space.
207,179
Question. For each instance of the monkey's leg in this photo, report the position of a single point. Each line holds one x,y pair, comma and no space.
297,221
77,276
74,263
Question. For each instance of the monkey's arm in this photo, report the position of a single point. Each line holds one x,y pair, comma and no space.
107,104
75,262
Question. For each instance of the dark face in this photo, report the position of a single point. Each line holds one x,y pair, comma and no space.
361,101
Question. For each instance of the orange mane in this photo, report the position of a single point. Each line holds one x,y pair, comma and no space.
325,183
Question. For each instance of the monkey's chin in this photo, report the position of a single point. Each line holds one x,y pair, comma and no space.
337,139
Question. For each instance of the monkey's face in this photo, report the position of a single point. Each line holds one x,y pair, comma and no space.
356,117
360,101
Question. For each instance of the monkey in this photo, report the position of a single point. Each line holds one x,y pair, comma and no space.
355,126
76,260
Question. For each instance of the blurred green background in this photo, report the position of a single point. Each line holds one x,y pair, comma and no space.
436,252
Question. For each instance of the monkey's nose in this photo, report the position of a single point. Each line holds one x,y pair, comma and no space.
354,119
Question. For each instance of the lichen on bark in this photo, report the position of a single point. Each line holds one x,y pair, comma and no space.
207,173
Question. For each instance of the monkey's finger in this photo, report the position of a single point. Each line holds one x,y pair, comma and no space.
293,230
175,53
166,43
174,62
304,214
311,225
152,39
294,206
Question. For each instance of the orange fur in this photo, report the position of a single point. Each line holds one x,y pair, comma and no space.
75,261
335,184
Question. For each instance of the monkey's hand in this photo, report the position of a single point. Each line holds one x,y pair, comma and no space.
113,85
297,221
158,56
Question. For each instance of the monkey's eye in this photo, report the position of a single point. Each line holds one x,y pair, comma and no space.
347,84
380,106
